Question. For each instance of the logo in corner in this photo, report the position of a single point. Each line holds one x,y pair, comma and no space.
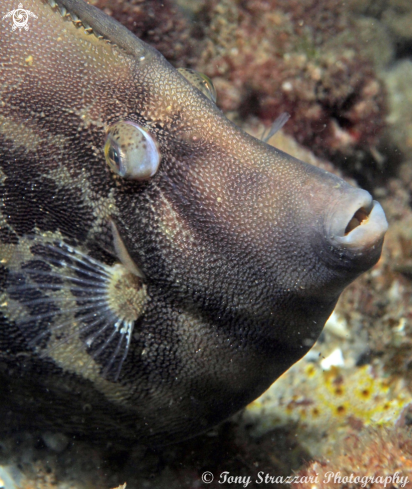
20,18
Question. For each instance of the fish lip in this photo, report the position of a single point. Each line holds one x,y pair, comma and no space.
370,230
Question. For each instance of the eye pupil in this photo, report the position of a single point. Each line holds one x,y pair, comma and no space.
114,156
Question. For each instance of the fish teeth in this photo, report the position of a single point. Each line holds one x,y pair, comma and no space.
52,3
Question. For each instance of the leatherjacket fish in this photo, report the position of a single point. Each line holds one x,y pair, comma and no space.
159,268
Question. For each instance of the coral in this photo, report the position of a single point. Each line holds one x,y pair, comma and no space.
302,57
395,15
332,401
374,458
398,80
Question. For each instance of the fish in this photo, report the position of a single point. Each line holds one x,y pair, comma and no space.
159,267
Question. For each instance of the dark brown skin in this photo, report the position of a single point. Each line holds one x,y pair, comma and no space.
241,250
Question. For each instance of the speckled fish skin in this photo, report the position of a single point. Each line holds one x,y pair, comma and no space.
235,239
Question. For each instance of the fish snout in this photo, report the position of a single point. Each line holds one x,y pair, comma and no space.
358,224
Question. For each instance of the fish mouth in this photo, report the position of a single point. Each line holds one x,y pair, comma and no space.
359,223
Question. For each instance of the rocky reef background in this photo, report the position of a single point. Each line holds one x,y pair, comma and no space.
343,71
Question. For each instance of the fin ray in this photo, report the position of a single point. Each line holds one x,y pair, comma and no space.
72,307
58,275
275,127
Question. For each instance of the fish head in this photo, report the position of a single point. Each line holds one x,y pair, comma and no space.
246,232
221,223
133,210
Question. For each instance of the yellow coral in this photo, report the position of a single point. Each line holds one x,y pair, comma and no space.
328,402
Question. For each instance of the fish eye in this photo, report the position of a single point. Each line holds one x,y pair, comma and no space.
201,81
131,152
